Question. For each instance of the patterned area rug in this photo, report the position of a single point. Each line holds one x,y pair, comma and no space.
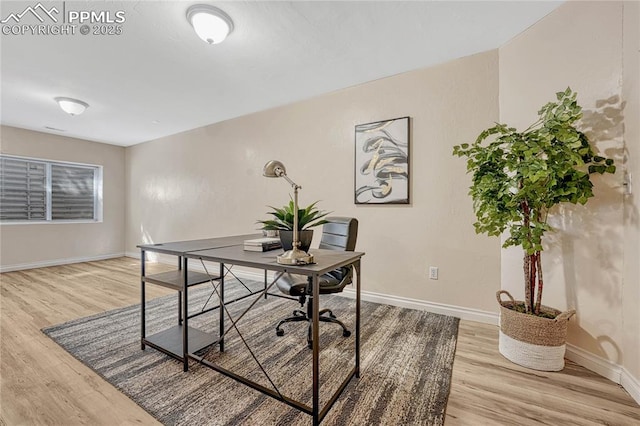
406,362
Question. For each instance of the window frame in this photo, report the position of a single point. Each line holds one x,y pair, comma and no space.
97,192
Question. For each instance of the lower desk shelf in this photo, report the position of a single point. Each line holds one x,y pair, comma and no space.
175,279
170,340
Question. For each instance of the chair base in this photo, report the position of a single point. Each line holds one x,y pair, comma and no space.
325,315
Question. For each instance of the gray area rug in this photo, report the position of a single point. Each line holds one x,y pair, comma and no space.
406,362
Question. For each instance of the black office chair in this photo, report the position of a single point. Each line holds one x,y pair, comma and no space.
339,233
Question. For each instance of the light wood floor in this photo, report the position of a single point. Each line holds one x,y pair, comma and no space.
40,383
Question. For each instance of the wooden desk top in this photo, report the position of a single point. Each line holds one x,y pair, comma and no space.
179,248
325,260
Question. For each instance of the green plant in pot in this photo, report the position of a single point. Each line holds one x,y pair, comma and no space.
518,178
282,222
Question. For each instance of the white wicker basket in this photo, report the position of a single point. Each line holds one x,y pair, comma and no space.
537,357
532,341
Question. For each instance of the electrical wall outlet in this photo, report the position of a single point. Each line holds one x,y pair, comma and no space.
433,272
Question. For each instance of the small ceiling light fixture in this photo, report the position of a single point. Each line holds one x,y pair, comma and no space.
210,23
72,106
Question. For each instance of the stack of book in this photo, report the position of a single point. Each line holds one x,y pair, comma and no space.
262,244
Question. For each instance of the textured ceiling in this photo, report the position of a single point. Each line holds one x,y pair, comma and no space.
158,78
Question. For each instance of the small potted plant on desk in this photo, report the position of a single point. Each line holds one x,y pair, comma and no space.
283,223
518,177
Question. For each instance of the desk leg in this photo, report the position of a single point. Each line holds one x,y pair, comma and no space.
185,325
356,266
265,284
315,336
142,299
180,294
221,297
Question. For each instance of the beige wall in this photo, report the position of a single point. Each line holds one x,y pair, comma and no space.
578,45
631,97
208,181
40,244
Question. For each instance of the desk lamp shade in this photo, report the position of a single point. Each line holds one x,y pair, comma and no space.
295,256
274,168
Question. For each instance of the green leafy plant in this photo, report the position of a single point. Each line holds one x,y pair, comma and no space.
283,218
519,176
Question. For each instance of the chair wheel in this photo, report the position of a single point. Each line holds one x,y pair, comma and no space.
280,332
346,333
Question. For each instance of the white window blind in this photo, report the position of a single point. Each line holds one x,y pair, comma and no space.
40,190
23,193
72,192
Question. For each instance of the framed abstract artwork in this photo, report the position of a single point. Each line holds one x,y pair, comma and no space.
382,162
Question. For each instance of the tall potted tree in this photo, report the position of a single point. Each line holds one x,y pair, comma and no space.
518,177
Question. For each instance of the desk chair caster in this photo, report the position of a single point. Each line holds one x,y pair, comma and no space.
298,315
325,315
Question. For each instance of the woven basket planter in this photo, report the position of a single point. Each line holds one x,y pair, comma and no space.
532,341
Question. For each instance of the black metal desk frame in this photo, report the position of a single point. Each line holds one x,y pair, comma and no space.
172,340
326,261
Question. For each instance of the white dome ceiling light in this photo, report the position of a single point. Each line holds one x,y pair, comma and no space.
210,23
72,106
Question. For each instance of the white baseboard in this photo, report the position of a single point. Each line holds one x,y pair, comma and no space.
134,254
461,312
630,384
610,370
43,264
605,368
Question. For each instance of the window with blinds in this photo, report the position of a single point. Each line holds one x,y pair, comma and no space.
40,190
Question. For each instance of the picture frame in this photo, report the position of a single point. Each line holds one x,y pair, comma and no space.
381,166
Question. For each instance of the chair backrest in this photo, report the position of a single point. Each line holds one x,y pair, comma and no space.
339,233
